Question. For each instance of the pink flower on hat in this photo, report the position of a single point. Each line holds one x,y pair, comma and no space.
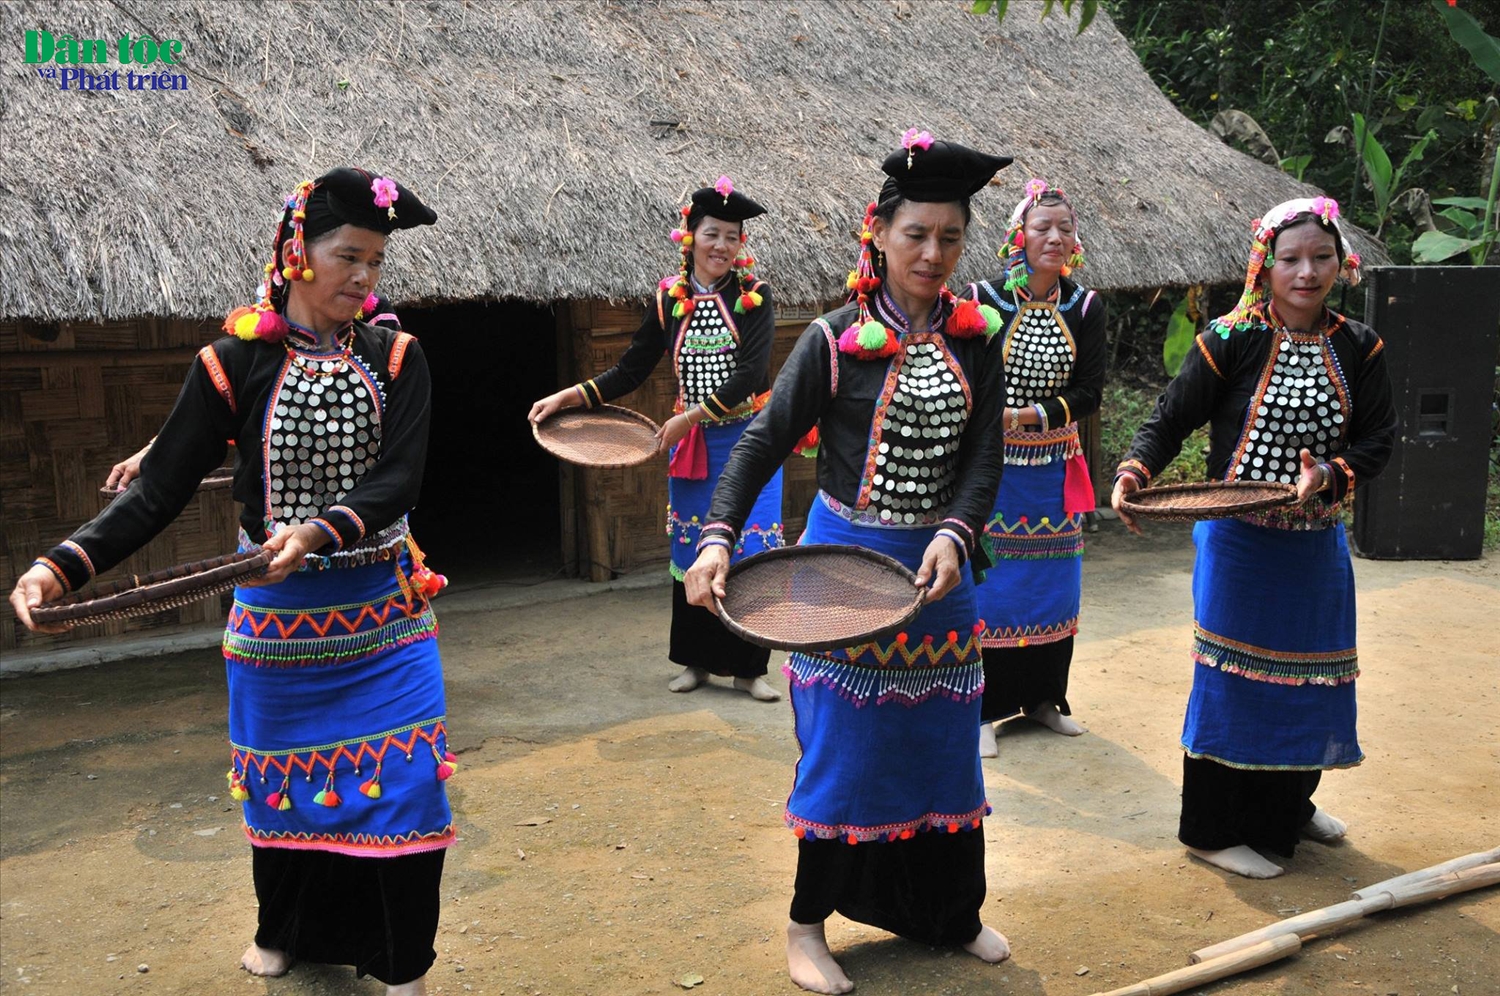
1035,187
914,139
385,191
725,187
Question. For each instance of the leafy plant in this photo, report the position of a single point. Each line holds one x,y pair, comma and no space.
1484,47
1087,9
1384,180
1472,217
1182,329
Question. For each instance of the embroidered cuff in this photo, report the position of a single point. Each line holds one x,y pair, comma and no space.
714,408
1141,471
57,572
590,392
718,532
1067,412
327,527
1341,478
958,541
1041,416
346,526
81,554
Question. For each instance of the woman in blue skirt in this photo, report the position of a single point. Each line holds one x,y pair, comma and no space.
1053,343
717,322
1299,394
337,727
906,395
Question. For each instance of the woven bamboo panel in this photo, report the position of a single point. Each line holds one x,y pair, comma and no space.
66,417
620,515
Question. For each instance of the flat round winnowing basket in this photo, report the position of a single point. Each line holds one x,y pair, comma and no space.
1208,499
607,436
821,596
216,481
144,594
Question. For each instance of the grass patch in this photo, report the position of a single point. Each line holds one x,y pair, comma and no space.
1123,408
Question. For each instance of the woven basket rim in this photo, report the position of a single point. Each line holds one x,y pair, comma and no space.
606,415
1159,504
814,551
213,482
134,595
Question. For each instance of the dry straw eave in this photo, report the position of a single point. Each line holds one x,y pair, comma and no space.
557,139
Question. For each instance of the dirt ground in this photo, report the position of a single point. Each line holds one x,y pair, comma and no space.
659,853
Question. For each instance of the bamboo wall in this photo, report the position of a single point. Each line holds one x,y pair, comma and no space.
615,520
74,400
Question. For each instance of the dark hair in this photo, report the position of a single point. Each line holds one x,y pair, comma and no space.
886,209
1302,218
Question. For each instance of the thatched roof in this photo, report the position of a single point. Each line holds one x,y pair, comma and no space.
533,128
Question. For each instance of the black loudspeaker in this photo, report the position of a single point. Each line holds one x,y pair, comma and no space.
1441,326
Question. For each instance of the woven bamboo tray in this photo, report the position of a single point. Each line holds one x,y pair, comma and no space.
821,596
216,481
1207,500
144,594
607,436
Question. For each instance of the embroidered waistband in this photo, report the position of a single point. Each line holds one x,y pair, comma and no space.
1028,449
903,830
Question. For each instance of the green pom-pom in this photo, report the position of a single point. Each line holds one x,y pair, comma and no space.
810,451
992,320
871,336
678,310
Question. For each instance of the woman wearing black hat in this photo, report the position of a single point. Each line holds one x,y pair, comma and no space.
336,706
906,399
717,322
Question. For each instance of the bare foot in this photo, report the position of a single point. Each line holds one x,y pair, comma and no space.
417,987
265,961
1241,860
689,679
990,946
1325,829
759,690
809,961
1048,716
987,745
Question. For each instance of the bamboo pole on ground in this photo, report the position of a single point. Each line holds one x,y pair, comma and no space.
1457,864
1213,969
1320,922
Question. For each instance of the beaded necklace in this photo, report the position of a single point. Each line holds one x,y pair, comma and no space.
323,367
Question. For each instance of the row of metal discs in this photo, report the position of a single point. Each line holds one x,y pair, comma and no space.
323,436
913,482
1299,410
1038,360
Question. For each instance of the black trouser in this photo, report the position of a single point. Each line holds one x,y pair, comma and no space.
378,914
928,888
1018,679
1225,807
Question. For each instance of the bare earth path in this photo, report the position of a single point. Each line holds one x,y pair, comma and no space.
658,854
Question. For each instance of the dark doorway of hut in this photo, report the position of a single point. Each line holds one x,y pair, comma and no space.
487,516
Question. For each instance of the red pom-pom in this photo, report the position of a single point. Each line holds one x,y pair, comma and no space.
966,321
927,639
953,636
799,832
979,627
953,828
852,839
901,638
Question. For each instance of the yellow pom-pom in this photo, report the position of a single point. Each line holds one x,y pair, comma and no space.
289,272
307,275
852,280
687,239
244,326
270,268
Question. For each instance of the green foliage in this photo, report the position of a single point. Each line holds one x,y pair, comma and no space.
1122,409
1472,217
1303,68
1087,9
1181,331
1484,47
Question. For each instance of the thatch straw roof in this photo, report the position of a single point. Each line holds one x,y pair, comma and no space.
533,129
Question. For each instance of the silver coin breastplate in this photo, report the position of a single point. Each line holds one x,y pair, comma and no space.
1039,355
706,353
322,435
919,432
1302,403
